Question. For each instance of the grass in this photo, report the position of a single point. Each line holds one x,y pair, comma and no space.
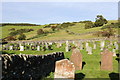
92,67
58,35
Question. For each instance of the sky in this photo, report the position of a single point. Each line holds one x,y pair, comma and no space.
57,12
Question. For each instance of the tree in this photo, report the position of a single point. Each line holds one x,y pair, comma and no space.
100,21
40,31
22,36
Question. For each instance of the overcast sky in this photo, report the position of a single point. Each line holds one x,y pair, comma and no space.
57,12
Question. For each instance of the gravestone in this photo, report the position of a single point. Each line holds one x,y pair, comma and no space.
76,58
86,45
46,45
38,48
11,47
102,44
67,46
114,52
64,69
94,45
21,48
81,46
59,45
106,60
116,45
89,50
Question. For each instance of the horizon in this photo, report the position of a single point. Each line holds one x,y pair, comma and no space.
57,12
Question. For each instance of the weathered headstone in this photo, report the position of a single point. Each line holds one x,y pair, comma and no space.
94,45
86,45
76,58
38,48
81,46
89,50
116,45
64,69
106,60
102,44
46,45
10,47
67,46
21,48
114,52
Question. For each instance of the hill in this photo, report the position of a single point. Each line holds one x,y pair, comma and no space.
76,31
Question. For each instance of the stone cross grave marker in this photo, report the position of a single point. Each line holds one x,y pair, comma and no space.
106,60
76,58
64,69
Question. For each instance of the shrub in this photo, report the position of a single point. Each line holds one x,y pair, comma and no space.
22,36
53,28
88,25
12,29
9,38
40,31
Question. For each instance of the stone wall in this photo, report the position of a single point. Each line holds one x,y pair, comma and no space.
28,67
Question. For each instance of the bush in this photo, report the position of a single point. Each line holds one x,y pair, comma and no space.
19,31
10,38
88,25
53,28
12,29
40,31
22,36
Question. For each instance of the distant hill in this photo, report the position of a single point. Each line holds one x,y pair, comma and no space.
76,31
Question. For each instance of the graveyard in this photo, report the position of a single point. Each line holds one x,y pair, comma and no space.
90,50
73,50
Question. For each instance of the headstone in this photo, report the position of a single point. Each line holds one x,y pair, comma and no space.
50,43
21,48
86,45
59,45
76,58
38,48
102,44
11,47
64,69
114,52
94,45
116,45
67,48
106,60
46,45
89,50
81,46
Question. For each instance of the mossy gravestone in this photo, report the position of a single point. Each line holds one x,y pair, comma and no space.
106,60
76,58
64,69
